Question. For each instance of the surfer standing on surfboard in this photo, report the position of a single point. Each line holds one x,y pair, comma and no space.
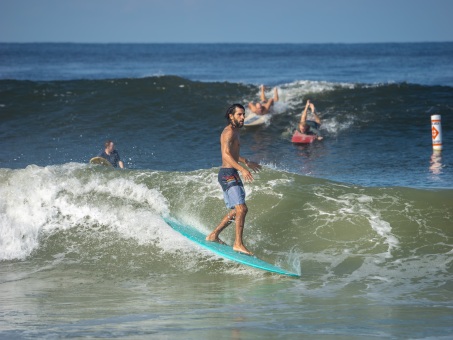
309,127
232,186
265,105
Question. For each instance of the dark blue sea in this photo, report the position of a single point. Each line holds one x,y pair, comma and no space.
365,215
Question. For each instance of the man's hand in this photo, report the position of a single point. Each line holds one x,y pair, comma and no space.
247,175
254,166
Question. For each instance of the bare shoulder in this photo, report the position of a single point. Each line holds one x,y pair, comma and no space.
227,133
227,129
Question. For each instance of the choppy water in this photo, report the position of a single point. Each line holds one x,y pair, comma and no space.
365,216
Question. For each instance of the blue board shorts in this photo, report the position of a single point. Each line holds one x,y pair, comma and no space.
233,189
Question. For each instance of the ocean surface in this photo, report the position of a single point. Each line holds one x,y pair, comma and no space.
365,215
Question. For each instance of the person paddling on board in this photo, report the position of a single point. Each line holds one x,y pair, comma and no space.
310,127
265,105
233,189
111,154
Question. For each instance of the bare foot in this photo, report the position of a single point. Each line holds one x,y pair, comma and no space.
213,238
242,249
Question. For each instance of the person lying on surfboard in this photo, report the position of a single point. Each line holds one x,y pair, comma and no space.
231,183
111,154
263,107
310,127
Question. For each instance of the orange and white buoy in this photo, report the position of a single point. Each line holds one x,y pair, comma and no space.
436,130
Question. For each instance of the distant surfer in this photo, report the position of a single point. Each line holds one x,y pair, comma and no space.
263,107
310,127
111,154
233,189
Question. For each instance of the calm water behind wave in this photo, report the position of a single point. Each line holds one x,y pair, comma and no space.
271,64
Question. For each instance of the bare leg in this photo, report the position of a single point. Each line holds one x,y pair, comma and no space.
263,96
241,211
268,105
275,95
225,222
253,108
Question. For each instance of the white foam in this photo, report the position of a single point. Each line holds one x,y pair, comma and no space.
353,207
36,200
292,95
295,93
42,201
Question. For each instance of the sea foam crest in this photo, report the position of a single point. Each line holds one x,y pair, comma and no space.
295,93
35,200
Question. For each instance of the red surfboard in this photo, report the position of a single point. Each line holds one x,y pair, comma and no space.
300,138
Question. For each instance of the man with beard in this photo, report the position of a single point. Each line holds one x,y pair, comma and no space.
233,189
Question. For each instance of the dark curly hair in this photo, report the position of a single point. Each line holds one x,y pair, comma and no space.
232,110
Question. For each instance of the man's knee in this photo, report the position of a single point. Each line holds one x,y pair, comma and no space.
241,209
232,214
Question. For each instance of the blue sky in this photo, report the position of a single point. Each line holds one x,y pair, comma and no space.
226,21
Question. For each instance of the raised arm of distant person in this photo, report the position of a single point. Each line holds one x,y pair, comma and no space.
265,105
305,126
303,118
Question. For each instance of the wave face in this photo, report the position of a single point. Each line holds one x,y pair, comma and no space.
95,238
87,213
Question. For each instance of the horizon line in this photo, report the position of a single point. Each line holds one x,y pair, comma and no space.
230,43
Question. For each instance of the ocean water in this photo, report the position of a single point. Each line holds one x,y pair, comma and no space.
365,216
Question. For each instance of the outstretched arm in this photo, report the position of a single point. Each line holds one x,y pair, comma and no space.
252,165
303,118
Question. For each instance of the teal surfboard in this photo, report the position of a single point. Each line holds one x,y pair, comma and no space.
225,250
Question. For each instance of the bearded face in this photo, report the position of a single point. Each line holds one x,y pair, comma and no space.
237,119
